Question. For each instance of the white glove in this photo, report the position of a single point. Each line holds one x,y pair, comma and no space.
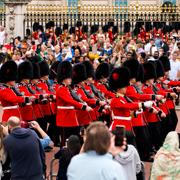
88,108
148,104
159,97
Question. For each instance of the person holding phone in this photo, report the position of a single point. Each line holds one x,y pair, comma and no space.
126,154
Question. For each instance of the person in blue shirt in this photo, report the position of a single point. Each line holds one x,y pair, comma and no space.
95,163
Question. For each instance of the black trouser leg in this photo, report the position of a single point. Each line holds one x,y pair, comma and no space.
174,119
130,138
143,142
156,136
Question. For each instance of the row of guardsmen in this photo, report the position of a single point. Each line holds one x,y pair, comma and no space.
138,96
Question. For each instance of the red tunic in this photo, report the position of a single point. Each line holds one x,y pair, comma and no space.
132,93
150,117
9,101
27,111
108,94
66,108
121,114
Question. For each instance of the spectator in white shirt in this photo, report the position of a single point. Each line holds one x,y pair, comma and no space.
174,73
148,46
2,35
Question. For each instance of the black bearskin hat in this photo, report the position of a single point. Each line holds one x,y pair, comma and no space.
140,74
79,73
44,68
25,70
85,29
79,23
159,69
8,72
36,71
149,71
64,71
53,70
72,30
119,78
102,71
65,27
165,62
35,26
58,31
133,66
89,69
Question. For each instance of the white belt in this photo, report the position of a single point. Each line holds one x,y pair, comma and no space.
10,107
122,118
65,107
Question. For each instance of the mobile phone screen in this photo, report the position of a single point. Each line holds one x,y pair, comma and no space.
120,135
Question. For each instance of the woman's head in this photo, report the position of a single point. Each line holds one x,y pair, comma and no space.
98,138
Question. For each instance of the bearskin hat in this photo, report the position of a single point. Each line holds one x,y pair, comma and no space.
79,73
36,71
89,69
8,72
25,70
149,71
44,68
165,62
64,71
133,66
53,70
119,78
102,71
65,27
159,69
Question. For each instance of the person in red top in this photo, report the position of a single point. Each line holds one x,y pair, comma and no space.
165,82
10,98
67,103
79,76
101,75
25,73
121,106
154,114
48,105
34,90
139,123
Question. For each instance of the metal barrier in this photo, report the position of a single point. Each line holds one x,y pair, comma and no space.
100,14
52,174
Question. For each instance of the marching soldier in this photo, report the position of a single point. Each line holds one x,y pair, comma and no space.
101,75
67,103
172,92
153,115
25,73
138,120
121,106
79,76
10,98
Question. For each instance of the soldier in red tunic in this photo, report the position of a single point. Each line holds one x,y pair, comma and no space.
25,73
67,103
101,75
153,115
122,107
10,98
139,123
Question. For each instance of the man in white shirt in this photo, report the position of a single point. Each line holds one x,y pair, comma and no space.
2,35
148,46
174,73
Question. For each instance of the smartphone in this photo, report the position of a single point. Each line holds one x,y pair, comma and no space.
119,135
